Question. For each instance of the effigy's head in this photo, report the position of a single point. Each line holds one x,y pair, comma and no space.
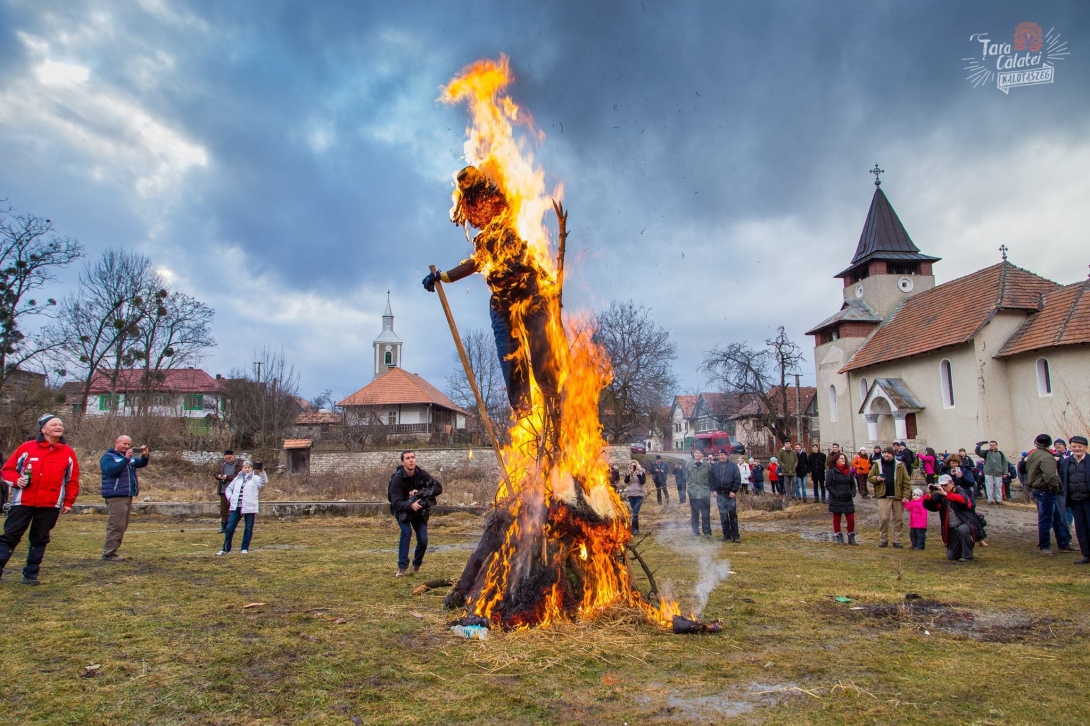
476,199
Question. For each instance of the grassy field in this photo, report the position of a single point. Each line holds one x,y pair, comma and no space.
338,638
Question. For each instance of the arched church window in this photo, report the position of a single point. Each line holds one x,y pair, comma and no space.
389,358
946,376
833,413
1044,378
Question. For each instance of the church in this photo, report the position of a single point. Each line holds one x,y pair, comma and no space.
399,401
1001,353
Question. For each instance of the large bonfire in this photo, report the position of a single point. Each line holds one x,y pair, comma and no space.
554,545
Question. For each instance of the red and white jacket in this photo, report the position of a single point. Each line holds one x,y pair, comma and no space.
54,474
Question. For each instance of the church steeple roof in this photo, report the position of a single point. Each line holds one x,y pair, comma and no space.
884,237
387,335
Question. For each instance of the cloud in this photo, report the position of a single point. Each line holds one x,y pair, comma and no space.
288,163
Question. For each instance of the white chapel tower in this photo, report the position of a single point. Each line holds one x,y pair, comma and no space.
387,344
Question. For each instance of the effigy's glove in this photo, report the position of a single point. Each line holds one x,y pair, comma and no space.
431,279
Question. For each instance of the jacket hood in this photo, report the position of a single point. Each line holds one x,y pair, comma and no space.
40,438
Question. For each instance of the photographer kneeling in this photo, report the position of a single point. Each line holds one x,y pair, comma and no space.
961,527
412,494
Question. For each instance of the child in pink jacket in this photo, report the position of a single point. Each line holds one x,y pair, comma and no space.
917,520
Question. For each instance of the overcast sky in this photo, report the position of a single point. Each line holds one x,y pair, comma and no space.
287,162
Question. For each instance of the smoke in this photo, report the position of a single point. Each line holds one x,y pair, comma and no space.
711,568
712,572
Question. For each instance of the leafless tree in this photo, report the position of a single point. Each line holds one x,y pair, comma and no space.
98,324
323,400
480,348
760,375
30,254
261,403
641,354
174,332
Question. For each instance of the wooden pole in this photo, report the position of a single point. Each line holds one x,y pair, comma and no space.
562,239
472,381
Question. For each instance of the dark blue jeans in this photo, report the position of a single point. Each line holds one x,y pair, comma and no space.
516,362
634,503
40,521
232,525
728,515
701,510
407,528
1049,518
1081,511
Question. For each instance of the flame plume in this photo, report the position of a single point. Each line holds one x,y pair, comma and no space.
554,545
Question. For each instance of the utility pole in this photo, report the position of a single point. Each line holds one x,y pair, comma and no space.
257,369
798,408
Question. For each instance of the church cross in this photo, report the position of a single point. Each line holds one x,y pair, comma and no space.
876,171
1003,249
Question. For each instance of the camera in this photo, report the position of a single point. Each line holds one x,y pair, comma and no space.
424,495
258,466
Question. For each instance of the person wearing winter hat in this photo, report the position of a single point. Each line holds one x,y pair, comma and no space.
1075,475
44,476
1044,479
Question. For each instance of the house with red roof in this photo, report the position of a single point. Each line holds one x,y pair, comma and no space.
399,401
188,393
1000,353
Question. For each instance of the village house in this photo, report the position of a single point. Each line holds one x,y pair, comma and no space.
186,393
751,432
681,416
1000,353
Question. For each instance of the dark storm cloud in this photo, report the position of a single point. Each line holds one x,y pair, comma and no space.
713,155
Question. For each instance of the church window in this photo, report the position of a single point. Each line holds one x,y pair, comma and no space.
1044,378
864,388
389,358
833,413
946,376
902,268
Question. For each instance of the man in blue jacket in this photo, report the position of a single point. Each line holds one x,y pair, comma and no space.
119,486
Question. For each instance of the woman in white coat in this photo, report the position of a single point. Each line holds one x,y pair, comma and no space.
743,467
242,495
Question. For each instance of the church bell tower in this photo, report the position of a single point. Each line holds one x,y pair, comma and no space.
387,344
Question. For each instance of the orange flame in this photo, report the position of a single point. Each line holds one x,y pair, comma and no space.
539,501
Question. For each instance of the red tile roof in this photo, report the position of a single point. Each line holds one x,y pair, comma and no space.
724,403
951,313
399,386
1064,319
806,395
179,380
687,404
298,443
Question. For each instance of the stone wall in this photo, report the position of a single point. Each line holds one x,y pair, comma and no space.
480,461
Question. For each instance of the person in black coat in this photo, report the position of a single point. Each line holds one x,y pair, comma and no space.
802,468
411,511
816,460
725,480
841,490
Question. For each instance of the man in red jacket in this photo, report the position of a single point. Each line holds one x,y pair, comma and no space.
44,476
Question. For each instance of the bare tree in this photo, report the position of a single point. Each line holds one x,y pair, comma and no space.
174,332
641,354
480,348
100,322
760,375
323,400
30,254
261,403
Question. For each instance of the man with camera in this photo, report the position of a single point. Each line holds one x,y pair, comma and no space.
119,486
959,524
411,493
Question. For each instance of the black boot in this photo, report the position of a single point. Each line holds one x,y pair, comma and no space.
851,538
223,527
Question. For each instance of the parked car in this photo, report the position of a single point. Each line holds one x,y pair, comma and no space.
637,447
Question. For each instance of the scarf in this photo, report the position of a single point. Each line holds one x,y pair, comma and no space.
842,468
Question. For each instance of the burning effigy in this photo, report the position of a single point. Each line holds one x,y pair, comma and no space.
556,542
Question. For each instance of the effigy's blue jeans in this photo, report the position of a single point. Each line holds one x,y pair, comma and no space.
514,361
